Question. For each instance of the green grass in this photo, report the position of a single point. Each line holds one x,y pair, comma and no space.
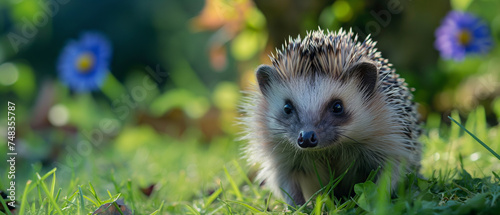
460,177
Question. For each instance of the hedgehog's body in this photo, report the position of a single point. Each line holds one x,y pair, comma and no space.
327,102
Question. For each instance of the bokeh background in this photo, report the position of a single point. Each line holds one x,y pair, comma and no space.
200,54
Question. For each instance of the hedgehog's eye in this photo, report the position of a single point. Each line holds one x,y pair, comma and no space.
288,108
337,107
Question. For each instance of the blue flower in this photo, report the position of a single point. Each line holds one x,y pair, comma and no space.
460,34
84,64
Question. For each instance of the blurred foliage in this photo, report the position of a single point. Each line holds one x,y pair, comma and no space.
178,67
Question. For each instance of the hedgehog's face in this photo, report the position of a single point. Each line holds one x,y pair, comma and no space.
314,111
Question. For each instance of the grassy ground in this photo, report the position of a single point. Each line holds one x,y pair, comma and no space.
194,178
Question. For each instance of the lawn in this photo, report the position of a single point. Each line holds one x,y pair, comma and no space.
190,177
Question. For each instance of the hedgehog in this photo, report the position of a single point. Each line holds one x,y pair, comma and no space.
329,105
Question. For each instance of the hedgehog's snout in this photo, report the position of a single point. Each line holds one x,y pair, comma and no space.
307,139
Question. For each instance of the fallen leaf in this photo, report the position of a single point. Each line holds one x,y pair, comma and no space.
148,190
111,209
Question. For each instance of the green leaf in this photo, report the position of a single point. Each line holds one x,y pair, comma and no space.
366,192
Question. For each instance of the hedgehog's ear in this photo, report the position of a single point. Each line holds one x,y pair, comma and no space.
266,75
367,74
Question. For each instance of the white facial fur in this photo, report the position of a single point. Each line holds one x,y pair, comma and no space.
310,97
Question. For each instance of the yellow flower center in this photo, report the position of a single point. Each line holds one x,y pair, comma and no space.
85,62
464,37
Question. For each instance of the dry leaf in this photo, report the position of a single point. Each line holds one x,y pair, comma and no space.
111,209
148,190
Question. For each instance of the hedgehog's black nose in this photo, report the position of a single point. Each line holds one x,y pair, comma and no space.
307,139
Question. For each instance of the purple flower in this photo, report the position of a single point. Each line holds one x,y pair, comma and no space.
460,34
84,64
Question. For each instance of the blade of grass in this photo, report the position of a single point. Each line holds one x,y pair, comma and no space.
384,190
33,207
496,176
93,202
477,139
268,201
316,194
47,174
212,197
52,189
455,131
113,180
43,178
82,204
41,207
23,199
39,191
252,209
223,191
159,209
228,207
5,206
317,174
105,208
58,194
191,209
131,194
117,197
70,201
331,185
46,190
317,206
74,182
247,180
233,185
72,195
345,204
92,190
117,207
53,185
289,196
216,210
